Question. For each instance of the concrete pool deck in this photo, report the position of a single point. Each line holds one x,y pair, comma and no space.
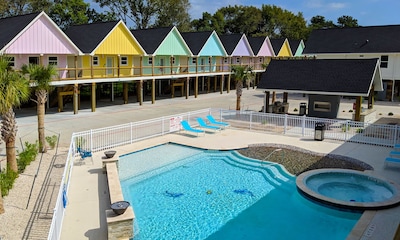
88,194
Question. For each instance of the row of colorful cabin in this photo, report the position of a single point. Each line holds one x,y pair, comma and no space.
104,50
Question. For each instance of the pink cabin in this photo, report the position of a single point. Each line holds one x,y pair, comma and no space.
35,38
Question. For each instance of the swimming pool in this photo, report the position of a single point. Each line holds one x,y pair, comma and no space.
180,192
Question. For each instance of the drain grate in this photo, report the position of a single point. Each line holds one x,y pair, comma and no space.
370,230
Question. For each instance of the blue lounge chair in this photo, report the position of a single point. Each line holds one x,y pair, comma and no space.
204,125
186,126
211,119
85,154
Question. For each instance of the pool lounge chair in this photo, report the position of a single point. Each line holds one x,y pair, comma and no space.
211,119
186,126
206,127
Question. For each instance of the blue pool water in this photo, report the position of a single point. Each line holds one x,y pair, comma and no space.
180,192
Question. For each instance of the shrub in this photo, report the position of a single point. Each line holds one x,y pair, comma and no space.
359,130
27,156
7,180
390,114
52,141
345,128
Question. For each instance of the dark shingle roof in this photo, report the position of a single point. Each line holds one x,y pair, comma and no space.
328,76
12,26
374,39
150,39
196,40
230,41
294,44
88,36
277,44
256,43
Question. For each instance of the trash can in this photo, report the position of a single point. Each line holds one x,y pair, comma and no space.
303,109
319,131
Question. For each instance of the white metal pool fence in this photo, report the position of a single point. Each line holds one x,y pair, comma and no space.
95,140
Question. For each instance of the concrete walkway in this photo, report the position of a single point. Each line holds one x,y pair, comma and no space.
88,198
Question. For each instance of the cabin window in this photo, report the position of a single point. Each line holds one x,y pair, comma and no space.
53,61
322,106
124,61
209,60
172,60
225,60
11,61
33,60
150,62
95,61
238,60
194,60
260,59
384,61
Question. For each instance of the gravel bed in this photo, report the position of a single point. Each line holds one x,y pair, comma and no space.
297,160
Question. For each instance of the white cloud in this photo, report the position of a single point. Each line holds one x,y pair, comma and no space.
336,5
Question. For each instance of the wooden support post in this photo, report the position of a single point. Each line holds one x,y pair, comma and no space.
187,88
285,97
266,102
125,92
75,98
153,91
215,83
273,97
93,96
140,92
228,87
196,86
60,100
371,98
221,89
76,67
357,115
208,84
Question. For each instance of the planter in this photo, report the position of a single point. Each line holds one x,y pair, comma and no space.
110,154
120,207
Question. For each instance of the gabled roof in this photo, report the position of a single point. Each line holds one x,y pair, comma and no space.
88,36
373,39
10,27
196,40
343,77
294,45
256,43
277,44
150,39
230,41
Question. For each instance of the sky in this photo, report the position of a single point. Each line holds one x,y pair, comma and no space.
367,12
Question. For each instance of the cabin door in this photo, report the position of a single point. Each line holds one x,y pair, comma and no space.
109,66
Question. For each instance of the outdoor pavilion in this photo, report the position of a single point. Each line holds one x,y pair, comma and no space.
322,78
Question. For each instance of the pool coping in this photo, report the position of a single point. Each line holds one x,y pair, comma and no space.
309,193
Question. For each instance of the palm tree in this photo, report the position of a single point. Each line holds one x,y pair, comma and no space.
241,74
41,77
14,89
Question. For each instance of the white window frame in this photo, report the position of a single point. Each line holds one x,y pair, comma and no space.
172,60
53,60
194,60
384,63
123,61
95,61
225,60
150,61
238,60
322,106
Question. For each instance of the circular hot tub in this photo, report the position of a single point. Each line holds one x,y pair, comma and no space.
348,189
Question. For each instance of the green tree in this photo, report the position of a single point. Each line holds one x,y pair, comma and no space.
173,13
41,77
347,21
69,12
10,8
278,23
240,19
14,89
241,74
319,22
